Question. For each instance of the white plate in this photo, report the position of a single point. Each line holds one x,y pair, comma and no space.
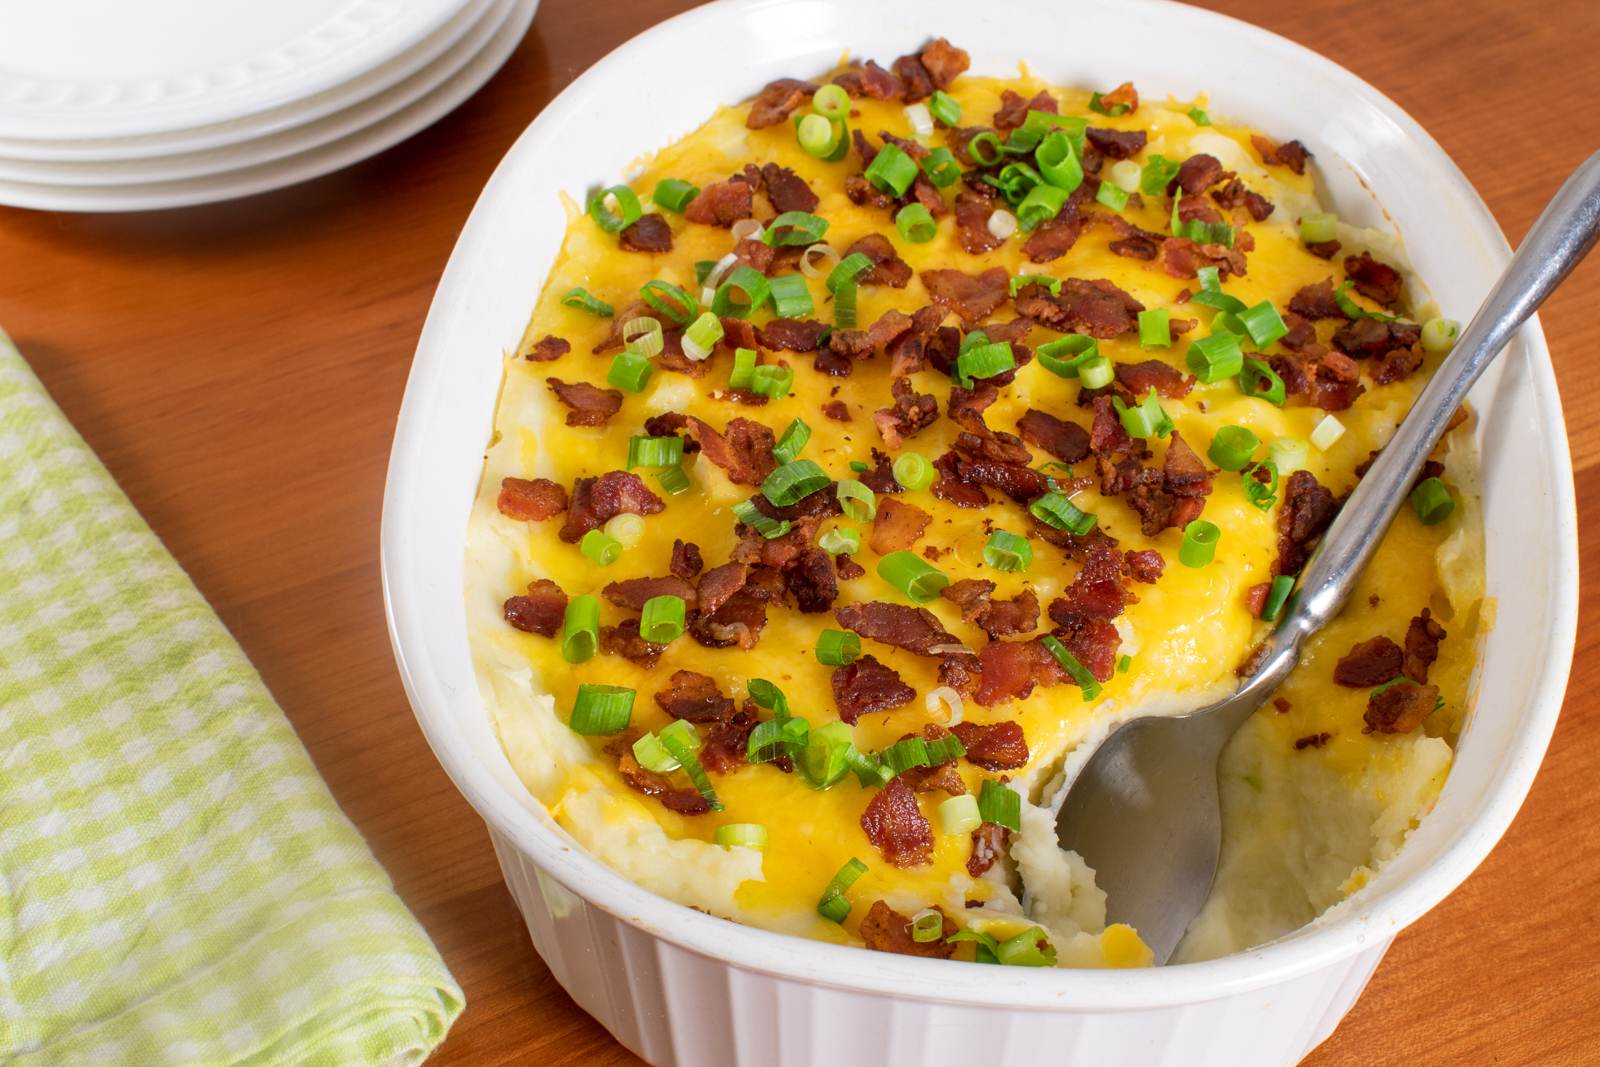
297,139
262,123
685,988
116,68
296,168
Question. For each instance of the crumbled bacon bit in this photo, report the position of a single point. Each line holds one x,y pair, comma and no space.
1140,378
1397,365
897,526
911,413
1422,646
972,224
648,233
1369,663
1014,108
686,561
812,581
1312,741
722,203
1308,508
1197,174
974,297
1399,709
894,822
1364,338
1066,441
868,686
943,62
1117,144
1255,598
885,930
916,630
547,348
596,501
739,621
1323,249
681,800
1122,94
1291,154
1234,195
997,618
728,741
837,410
625,640
591,406
1374,279
998,746
787,190
1316,301
778,101
792,335
887,266
744,452
532,500
1144,566
544,607
988,845
1010,670
1093,306
694,698
847,568
872,81
632,593
1056,236
1182,258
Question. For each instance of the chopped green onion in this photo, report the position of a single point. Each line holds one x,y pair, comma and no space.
1211,280
825,758
1277,596
1439,335
1020,281
891,170
780,736
793,482
905,754
1264,323
1096,373
944,749
600,547
870,770
1341,296
1123,663
1205,233
858,502
1155,328
1213,297
836,648
742,835
653,755
642,336
580,298
1027,949
821,136
985,944
832,101
601,709
1289,454
1098,105
629,371
844,306
662,620
654,451
703,269
628,209
750,284
1124,174
1043,203
1158,173
1319,227
674,481
1058,162
793,441
1000,804
913,471
1145,419
941,168
1087,683
580,629
1112,196
1037,124
984,361
1259,380
1014,181
927,925
744,366
626,528
849,269
669,300
795,228
916,224
1199,543
764,525
913,576
834,904
702,336
1431,501
692,767
1198,114
1054,509
992,149
1327,432
674,194
791,297
1227,323
959,814
944,107
772,381
1233,447
841,541
767,695
1261,494
1005,551
1066,355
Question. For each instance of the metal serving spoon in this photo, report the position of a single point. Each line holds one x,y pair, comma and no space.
1143,812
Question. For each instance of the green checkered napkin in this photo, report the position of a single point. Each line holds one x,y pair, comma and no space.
177,886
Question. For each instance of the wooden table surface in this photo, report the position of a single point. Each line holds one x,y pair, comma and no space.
239,368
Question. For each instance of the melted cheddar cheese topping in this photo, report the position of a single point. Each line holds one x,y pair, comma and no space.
1185,636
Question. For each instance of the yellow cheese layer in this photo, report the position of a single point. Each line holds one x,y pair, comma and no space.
1186,634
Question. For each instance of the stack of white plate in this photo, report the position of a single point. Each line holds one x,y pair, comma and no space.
130,105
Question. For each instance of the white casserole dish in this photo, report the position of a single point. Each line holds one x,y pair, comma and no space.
683,988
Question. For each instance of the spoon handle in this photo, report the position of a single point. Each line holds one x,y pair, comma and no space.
1562,235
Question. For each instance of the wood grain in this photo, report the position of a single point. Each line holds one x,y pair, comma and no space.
239,367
